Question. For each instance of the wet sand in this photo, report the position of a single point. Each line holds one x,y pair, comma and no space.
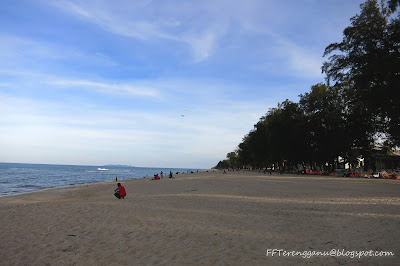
204,218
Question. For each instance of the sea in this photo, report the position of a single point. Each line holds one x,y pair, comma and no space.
17,178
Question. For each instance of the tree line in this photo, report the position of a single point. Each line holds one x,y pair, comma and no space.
343,118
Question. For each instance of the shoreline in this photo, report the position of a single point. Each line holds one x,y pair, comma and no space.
64,187
207,171
30,178
203,218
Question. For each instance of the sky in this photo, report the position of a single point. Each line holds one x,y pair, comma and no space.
167,83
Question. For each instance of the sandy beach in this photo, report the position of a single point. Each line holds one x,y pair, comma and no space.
205,218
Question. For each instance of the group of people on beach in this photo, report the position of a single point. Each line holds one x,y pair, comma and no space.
120,192
157,177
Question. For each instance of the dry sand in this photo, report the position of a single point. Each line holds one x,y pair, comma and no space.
204,218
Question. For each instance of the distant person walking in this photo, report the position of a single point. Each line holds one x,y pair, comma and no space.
120,192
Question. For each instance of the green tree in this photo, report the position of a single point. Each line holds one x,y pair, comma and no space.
278,138
368,58
233,160
287,134
328,131
223,164
393,4
344,119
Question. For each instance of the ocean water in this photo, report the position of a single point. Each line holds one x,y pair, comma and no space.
24,178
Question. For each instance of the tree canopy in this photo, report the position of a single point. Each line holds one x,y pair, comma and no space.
369,58
344,119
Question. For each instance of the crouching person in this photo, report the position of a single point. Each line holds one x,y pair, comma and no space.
120,191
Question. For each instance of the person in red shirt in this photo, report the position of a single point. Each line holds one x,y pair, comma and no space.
120,192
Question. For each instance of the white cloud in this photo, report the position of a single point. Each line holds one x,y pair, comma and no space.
123,97
3,84
283,56
201,25
301,61
108,88
141,136
23,51
16,51
202,45
184,24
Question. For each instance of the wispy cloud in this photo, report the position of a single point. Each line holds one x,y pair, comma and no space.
200,25
94,81
23,51
183,24
202,45
108,88
137,135
3,84
302,61
283,56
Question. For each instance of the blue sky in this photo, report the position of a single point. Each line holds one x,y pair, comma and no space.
168,83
